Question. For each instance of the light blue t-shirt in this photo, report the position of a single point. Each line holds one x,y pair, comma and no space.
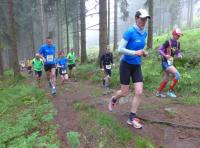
48,53
136,41
62,62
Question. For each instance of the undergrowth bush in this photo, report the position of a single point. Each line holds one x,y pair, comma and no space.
26,116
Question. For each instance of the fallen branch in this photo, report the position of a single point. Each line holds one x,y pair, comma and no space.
169,124
176,125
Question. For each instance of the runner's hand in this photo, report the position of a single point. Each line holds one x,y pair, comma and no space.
139,52
102,69
167,56
44,60
179,56
145,53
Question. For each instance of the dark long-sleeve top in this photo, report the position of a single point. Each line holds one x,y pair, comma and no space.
106,59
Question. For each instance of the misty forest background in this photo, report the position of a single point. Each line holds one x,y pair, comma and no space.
87,26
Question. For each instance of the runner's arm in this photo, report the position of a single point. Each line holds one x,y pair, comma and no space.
162,48
122,48
178,51
41,51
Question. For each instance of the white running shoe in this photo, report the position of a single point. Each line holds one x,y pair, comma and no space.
135,123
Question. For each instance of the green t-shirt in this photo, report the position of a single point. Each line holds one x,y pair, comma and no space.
37,64
71,57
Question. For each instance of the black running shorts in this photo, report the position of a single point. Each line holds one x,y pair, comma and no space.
71,66
128,71
107,71
38,73
62,71
49,67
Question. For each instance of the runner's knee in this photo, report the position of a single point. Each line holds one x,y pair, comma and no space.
53,75
177,75
138,92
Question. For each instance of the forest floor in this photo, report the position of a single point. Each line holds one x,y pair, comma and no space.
167,123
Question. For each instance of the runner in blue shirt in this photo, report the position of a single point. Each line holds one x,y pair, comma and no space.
131,47
62,65
47,53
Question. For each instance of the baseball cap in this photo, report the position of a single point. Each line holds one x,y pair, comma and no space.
177,31
142,13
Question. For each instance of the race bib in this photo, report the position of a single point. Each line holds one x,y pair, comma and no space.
170,61
64,71
49,58
108,66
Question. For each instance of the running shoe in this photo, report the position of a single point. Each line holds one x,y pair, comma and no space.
171,94
53,91
103,82
160,94
112,103
135,123
49,83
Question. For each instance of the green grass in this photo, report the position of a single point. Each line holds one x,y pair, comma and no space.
26,116
102,130
191,100
73,139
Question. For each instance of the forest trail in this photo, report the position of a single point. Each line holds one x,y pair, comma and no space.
166,123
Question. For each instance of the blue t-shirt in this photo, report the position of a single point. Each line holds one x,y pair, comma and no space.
62,62
48,53
136,41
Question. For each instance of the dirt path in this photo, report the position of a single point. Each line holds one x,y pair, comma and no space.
152,109
67,119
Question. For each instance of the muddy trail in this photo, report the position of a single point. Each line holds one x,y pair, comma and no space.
166,123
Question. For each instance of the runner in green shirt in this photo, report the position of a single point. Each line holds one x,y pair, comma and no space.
72,63
37,66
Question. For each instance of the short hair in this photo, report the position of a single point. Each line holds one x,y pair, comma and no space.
48,37
137,14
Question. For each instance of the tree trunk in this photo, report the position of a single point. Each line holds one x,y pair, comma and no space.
61,36
83,32
150,26
191,14
67,25
76,28
188,12
102,26
46,25
61,26
32,36
108,42
58,25
77,46
15,63
163,21
42,20
74,33
160,18
1,63
115,25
